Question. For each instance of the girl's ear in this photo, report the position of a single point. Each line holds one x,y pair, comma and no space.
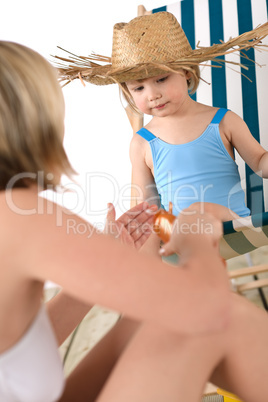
188,74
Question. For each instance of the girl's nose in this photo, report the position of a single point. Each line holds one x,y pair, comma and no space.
154,95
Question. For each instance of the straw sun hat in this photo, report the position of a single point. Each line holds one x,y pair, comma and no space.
148,46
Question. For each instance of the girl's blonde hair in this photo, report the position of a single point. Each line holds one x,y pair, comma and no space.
31,119
192,84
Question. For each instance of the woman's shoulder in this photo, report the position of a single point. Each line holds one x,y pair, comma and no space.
17,200
21,207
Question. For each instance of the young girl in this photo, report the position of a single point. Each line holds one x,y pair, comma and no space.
187,149
185,154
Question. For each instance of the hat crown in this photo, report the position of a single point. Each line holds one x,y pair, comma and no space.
154,38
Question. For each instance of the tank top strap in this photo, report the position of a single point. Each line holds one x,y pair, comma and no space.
146,134
219,116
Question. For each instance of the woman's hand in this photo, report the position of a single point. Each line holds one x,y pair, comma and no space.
193,232
133,227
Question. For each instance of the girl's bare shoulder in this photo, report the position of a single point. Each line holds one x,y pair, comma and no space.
138,144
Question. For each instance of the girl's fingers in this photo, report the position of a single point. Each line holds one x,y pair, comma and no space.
134,226
142,239
140,213
143,230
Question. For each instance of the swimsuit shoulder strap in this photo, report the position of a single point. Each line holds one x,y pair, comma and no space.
146,134
219,116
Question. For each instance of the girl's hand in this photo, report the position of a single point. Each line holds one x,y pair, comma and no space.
191,233
133,227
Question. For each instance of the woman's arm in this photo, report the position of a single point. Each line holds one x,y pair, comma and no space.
132,228
220,212
96,268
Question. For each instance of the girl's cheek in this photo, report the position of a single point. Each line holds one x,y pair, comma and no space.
140,105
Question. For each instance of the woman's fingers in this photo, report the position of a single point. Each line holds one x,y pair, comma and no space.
187,227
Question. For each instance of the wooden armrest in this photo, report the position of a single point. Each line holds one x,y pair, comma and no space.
248,271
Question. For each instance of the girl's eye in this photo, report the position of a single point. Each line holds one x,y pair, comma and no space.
162,79
138,89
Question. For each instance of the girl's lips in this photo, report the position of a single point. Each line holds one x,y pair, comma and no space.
160,106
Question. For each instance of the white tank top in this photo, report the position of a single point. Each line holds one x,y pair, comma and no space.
31,371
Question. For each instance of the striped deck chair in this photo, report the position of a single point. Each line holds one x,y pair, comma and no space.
210,21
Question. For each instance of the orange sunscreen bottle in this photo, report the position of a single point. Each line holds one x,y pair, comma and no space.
162,226
163,222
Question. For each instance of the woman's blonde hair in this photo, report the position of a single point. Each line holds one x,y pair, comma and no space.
31,120
192,83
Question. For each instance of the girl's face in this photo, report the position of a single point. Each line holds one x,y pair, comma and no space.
160,96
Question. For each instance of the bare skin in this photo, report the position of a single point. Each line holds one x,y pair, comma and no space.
216,356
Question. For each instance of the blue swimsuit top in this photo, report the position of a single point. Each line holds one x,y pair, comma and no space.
199,171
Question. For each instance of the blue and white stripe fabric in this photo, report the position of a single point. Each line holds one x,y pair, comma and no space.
208,22
244,235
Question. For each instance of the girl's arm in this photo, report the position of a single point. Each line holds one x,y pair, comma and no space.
241,138
97,269
263,165
143,185
142,176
